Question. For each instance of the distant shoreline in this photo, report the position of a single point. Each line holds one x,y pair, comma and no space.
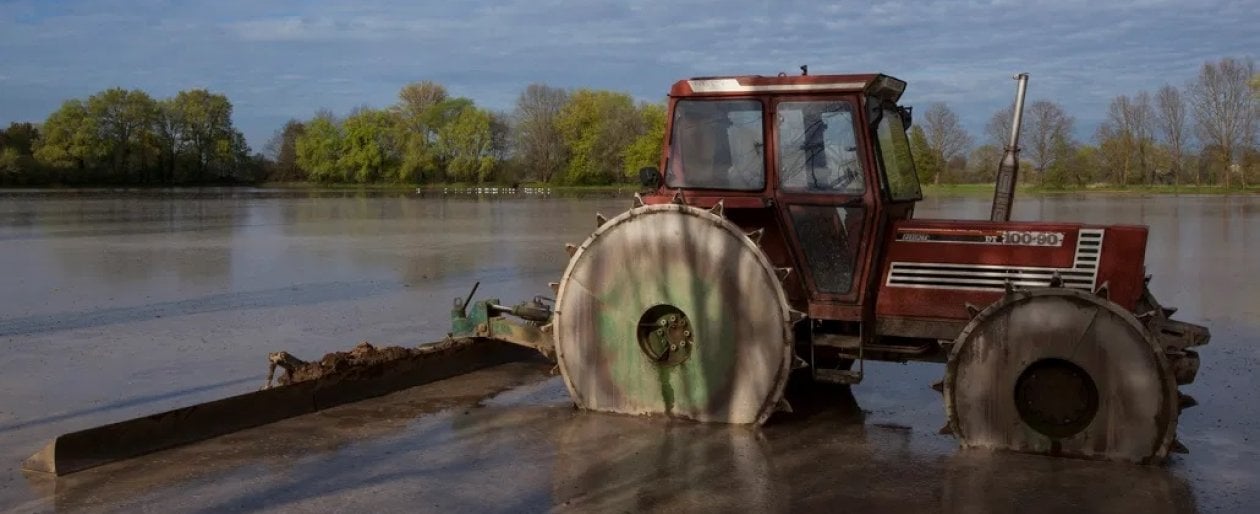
929,190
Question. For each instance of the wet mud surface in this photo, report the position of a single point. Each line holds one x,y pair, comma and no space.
125,306
362,355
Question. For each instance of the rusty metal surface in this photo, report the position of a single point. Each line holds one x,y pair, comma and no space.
84,449
706,267
1136,415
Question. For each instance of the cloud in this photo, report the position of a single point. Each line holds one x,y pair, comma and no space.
284,59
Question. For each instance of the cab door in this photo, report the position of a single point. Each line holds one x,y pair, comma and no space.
825,189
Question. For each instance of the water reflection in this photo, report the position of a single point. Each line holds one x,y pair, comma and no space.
534,452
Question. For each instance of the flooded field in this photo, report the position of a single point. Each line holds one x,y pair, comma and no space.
116,305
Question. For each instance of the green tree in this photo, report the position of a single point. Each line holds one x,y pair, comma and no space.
319,148
125,119
467,141
21,137
369,148
926,160
1066,166
982,164
645,150
596,127
207,146
11,169
417,108
71,143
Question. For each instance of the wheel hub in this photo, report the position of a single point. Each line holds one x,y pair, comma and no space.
1056,397
665,335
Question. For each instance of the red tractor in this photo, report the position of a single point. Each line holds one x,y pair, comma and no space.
780,235
779,239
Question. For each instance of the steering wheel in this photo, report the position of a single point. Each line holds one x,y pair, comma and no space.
841,183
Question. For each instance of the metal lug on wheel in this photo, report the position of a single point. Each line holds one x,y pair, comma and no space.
1177,447
1185,401
555,286
1169,311
1104,291
939,386
718,208
946,430
972,309
678,198
1056,280
799,363
783,406
571,248
756,235
638,200
795,315
783,273
600,220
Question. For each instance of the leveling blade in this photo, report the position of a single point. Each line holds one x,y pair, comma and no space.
84,449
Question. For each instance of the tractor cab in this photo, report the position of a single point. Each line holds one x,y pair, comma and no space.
818,163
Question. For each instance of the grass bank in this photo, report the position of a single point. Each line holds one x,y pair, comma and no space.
987,190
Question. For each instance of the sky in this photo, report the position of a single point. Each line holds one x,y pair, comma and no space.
277,60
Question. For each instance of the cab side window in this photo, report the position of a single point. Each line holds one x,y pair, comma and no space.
818,150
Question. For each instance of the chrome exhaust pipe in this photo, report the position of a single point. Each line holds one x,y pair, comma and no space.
1008,170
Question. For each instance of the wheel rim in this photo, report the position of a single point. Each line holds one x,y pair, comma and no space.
726,353
1062,372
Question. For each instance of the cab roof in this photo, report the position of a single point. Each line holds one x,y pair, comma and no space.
876,84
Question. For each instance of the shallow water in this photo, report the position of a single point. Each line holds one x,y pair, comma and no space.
121,304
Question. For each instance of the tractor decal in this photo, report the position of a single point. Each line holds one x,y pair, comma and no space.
981,277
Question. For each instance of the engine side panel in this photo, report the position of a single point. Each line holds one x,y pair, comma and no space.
933,269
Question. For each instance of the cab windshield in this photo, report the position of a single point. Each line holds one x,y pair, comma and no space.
716,144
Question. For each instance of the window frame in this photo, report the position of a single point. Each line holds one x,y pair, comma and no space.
877,112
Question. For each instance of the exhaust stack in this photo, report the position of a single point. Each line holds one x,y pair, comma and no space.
1008,170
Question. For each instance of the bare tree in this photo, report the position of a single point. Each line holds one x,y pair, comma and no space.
945,135
1127,136
282,150
1048,134
1224,109
416,102
998,130
1142,119
539,144
1170,122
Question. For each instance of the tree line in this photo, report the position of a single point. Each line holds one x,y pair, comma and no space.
1204,133
120,136
579,137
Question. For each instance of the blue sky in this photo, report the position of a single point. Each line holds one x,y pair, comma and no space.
282,59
